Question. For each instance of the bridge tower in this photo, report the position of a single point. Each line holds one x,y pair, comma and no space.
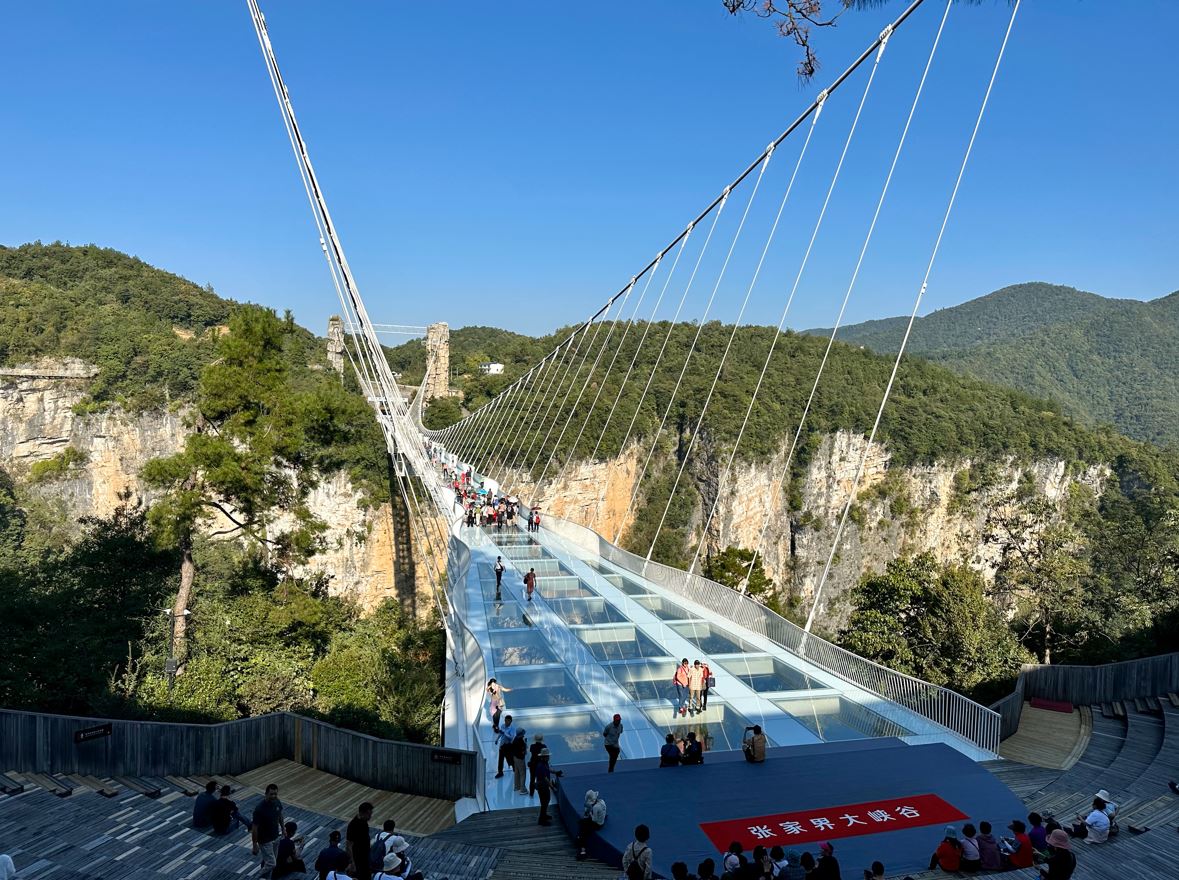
437,362
335,343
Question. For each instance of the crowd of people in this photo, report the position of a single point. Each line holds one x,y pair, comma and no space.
276,842
482,507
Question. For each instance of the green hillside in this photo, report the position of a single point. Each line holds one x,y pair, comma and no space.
1105,361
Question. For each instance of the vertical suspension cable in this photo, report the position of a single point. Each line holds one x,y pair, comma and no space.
810,619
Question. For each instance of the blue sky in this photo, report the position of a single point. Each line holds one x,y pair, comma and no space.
514,163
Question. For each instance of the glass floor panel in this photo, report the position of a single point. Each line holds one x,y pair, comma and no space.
541,688
520,648
506,615
646,681
571,738
584,612
525,551
487,587
834,718
711,639
665,610
766,674
564,587
717,727
619,642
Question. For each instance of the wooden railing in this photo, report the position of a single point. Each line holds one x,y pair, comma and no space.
1086,685
41,743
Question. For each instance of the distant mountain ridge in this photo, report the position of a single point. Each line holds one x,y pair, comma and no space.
1112,361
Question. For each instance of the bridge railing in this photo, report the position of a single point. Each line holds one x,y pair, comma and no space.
43,743
968,719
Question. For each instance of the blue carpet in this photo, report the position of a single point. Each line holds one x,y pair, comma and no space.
803,781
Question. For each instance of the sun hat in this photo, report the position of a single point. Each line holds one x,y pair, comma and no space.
1104,795
951,832
1059,839
545,753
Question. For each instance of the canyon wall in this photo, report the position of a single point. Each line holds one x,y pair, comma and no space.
42,415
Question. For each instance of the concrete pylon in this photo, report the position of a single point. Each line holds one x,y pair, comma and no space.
437,362
335,344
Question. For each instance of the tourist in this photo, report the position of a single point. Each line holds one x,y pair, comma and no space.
202,807
754,744
379,851
541,779
1017,851
1173,785
534,751
495,692
225,813
706,870
693,751
1061,861
680,680
734,859
504,738
610,734
593,817
948,855
397,864
1038,834
789,867
637,857
669,755
827,868
530,582
1093,828
1111,810
266,828
519,761
7,868
971,860
536,520
696,688
761,866
807,862
332,858
288,857
876,872
357,844
499,575
988,848
679,871
709,682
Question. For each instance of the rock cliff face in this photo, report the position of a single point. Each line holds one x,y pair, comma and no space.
40,419
898,509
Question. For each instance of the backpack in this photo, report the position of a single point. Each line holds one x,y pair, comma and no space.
376,855
634,870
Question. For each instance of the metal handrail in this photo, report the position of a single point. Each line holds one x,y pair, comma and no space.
951,710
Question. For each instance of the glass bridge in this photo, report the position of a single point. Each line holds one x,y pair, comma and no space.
598,639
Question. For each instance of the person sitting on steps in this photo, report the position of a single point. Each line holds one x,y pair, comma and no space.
593,817
754,745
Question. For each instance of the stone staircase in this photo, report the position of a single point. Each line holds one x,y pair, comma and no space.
58,827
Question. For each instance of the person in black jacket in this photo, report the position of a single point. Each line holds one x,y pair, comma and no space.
1061,861
827,868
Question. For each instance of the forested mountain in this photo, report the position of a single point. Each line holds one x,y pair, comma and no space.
1111,361
241,411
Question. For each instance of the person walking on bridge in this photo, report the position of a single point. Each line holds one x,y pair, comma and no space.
680,680
610,734
499,576
530,582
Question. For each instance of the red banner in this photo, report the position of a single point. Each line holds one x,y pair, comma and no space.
829,823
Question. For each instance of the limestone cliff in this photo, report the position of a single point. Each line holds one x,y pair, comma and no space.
898,509
41,417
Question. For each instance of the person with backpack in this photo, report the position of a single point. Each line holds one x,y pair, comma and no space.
379,852
637,857
357,843
397,864
734,859
593,817
530,582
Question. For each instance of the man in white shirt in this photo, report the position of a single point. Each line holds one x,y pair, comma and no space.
1093,828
